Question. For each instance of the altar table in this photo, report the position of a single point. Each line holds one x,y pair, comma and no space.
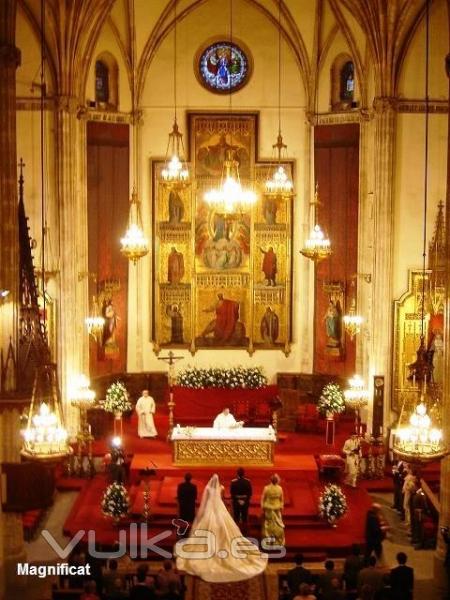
206,446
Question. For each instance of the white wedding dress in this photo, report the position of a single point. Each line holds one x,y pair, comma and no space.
216,550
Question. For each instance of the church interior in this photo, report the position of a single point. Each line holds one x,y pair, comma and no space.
224,246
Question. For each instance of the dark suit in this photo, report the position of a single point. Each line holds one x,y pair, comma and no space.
241,492
186,496
374,534
296,577
402,582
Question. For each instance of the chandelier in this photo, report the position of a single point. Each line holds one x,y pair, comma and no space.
280,183
95,321
356,396
419,436
352,321
175,168
230,199
134,244
80,394
317,246
82,397
45,437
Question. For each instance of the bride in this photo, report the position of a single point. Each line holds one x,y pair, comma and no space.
216,551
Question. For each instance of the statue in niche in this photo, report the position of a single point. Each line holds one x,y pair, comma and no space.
109,342
270,208
333,324
176,208
269,326
176,324
269,265
175,266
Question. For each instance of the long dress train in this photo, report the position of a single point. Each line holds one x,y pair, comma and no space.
216,550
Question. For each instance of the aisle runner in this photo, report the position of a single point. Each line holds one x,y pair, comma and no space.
253,589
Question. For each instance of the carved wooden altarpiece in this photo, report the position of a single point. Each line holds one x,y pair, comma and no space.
210,284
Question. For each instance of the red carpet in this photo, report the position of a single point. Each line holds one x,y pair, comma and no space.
295,462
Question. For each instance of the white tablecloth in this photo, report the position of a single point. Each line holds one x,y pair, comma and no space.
209,433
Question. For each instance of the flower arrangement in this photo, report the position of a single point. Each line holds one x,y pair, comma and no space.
115,502
332,503
116,400
234,377
331,400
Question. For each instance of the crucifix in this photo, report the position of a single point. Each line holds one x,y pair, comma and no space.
171,359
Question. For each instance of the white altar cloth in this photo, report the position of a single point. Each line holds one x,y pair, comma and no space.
233,433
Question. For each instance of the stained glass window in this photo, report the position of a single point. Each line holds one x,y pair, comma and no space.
101,82
223,67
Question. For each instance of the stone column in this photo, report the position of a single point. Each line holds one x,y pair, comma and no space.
444,494
383,207
70,183
9,272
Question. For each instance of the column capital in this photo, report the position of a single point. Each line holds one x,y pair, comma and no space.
66,103
9,56
383,104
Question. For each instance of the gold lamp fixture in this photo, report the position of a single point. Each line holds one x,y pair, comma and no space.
45,436
280,181
175,170
356,397
317,247
95,321
419,436
134,244
82,397
230,199
352,320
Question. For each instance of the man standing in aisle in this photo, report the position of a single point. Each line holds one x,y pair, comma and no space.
241,492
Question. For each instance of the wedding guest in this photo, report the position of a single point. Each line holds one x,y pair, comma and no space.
366,593
117,591
110,577
90,591
325,586
352,566
272,503
186,497
141,590
374,531
402,579
398,475
168,582
371,576
304,593
241,493
298,574
145,408
409,488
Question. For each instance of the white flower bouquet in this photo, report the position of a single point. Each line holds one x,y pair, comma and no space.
232,378
331,400
117,400
115,502
332,503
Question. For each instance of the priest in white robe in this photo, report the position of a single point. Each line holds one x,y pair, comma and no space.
352,450
225,420
145,408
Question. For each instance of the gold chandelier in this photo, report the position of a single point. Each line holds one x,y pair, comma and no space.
82,397
134,244
317,246
175,170
95,321
419,436
45,436
230,199
280,182
356,396
352,321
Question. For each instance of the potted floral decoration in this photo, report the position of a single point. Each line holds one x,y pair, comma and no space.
232,378
332,503
115,502
331,400
117,400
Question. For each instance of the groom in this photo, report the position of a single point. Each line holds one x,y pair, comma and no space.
241,492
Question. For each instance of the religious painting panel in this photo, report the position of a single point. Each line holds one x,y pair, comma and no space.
221,280
418,337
